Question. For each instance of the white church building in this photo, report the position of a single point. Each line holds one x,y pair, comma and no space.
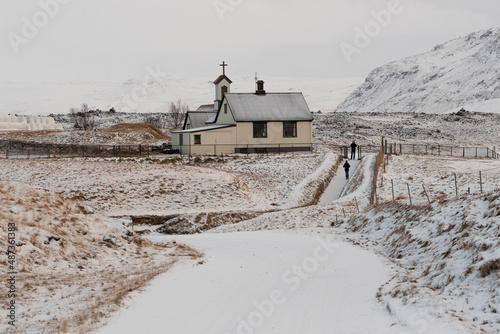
256,122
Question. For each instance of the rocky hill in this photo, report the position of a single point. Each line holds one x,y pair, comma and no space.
457,74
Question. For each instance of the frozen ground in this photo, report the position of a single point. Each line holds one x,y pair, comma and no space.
437,176
303,281
71,268
431,270
117,187
456,129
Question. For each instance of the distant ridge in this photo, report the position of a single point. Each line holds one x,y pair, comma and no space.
463,71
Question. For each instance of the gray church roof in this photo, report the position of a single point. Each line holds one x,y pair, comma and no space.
251,107
204,128
198,119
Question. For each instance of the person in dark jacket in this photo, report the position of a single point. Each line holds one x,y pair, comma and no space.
353,150
346,168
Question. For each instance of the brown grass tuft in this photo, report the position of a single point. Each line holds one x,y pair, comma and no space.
489,267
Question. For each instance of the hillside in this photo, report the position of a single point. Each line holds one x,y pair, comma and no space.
450,250
72,268
446,252
464,72
117,134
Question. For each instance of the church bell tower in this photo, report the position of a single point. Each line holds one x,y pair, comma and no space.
222,86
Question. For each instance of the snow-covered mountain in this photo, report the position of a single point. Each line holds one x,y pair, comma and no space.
464,72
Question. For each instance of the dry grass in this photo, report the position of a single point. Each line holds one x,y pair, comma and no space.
72,279
137,127
315,190
378,163
489,267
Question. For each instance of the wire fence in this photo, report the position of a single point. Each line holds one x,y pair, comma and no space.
454,151
13,149
451,185
448,186
16,149
445,186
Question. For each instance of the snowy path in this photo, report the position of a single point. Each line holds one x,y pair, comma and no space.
334,189
264,282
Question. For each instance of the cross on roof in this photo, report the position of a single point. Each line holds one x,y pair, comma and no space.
224,67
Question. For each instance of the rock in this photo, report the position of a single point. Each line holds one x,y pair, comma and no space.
86,209
52,237
111,239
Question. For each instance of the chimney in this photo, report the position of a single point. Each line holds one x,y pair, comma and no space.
260,88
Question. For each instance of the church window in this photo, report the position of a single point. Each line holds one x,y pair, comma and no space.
260,129
289,129
225,108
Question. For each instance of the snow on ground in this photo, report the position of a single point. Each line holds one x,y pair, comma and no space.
71,269
458,129
450,252
437,175
118,134
429,252
303,281
357,189
339,181
118,187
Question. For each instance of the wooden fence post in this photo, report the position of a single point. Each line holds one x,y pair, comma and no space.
426,195
392,186
409,193
456,186
481,181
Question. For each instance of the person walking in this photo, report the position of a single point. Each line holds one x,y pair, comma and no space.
353,150
346,168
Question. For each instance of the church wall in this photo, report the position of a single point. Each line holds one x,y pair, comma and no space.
223,118
274,134
214,142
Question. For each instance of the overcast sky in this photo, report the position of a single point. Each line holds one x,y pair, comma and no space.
114,40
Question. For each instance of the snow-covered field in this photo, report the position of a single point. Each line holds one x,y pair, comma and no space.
262,244
117,187
267,273
68,269
437,176
458,129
